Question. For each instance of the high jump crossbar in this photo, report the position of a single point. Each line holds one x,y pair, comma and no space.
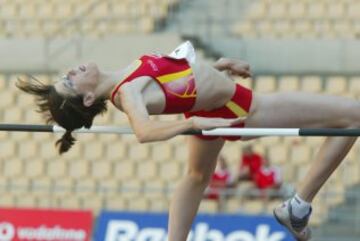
213,132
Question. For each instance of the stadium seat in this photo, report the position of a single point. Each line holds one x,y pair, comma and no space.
257,11
27,149
243,29
93,203
138,204
289,83
303,28
85,186
296,10
78,170
233,205
162,152
20,137
101,170
12,167
354,85
147,170
156,188
278,153
8,149
26,201
131,188
33,169
316,10
300,154
20,184
139,152
8,200
336,10
353,10
42,185
9,10
69,202
107,187
208,206
12,115
311,84
265,84
47,150
56,169
116,151
336,85
7,99
159,204
264,28
169,171
124,170
282,28
115,203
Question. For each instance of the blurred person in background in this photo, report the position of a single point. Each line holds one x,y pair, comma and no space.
258,170
250,163
221,181
177,83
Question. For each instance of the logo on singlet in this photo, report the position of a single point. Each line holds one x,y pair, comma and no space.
153,65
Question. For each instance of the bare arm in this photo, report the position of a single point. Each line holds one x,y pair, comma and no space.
234,66
147,130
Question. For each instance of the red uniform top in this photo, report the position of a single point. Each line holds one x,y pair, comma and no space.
219,181
253,161
174,76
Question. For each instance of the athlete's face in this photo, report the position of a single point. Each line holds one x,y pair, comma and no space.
81,80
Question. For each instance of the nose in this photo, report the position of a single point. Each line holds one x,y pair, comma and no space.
71,72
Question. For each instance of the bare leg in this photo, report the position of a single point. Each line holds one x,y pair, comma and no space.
308,110
188,194
332,152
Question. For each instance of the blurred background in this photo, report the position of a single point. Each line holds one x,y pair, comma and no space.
302,45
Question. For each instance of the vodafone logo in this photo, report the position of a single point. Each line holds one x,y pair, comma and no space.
7,231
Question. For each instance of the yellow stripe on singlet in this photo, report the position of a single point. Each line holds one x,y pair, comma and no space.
174,76
236,109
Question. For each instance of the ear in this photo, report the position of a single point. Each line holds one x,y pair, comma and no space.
88,99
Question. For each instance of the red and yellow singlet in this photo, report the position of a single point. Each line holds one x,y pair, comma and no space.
174,76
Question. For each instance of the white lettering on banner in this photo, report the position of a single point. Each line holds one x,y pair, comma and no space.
151,234
7,231
47,233
121,230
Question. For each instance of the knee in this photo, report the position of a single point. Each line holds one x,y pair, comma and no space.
352,119
201,178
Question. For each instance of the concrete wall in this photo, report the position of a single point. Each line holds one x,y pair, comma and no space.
111,52
294,56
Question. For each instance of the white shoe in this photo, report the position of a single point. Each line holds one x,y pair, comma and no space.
297,226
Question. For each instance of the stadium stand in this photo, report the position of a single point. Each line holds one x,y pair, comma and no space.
300,19
40,18
100,167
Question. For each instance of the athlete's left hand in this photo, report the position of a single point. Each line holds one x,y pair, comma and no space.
234,67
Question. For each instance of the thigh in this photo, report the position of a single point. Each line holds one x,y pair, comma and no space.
203,154
298,109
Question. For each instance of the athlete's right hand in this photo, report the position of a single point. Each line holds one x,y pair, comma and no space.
205,123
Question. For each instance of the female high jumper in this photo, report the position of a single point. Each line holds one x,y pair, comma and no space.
209,98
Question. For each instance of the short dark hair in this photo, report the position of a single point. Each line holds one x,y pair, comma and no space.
67,111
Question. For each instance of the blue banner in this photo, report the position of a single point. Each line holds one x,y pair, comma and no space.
129,226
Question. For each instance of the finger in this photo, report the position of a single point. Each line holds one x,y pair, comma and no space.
238,120
245,74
